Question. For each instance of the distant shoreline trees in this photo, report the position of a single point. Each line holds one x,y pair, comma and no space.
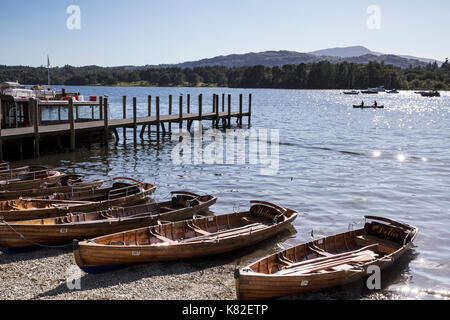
320,75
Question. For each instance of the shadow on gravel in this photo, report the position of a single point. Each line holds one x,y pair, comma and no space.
397,273
229,260
33,254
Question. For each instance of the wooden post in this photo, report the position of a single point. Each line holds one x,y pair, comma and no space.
170,112
181,113
124,114
59,113
77,113
135,119
149,114
100,117
34,106
93,114
200,107
229,111
188,103
249,110
105,119
15,114
72,125
217,111
158,125
223,102
1,139
240,110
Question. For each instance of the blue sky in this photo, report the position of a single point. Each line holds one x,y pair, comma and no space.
138,32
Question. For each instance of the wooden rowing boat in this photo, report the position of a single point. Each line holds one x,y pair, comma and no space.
68,184
4,165
328,262
19,235
119,195
32,180
186,239
368,107
16,172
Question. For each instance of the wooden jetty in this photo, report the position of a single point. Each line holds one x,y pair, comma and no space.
99,122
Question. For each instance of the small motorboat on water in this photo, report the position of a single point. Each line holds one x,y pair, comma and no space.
369,92
353,92
392,91
430,94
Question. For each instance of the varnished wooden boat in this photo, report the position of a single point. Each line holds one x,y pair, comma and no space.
16,172
4,165
328,262
120,194
16,236
32,180
186,239
68,184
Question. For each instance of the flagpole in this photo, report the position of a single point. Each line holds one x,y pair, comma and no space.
48,70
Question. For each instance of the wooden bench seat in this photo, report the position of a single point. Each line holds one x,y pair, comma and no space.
385,246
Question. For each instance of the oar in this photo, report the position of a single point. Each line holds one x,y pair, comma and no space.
359,258
345,254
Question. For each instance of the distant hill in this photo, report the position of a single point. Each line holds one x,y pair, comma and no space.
357,51
280,58
345,52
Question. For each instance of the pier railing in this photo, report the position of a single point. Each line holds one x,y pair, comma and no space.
100,120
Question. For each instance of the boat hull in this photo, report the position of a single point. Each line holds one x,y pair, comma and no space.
94,257
87,206
60,233
271,277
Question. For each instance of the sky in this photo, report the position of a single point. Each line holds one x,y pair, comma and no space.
141,32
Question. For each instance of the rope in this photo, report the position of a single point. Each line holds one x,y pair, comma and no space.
32,242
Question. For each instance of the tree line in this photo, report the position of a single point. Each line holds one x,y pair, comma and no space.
319,75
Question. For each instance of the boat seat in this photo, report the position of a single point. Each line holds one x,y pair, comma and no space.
196,229
161,237
384,246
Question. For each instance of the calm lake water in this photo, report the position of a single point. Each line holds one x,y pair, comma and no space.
336,164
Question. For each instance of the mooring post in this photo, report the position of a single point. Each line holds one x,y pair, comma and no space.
1,139
77,113
217,111
240,109
124,114
200,107
135,119
92,113
59,113
249,110
149,114
170,113
72,125
223,102
101,109
106,124
188,103
100,101
229,111
33,104
181,113
157,120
